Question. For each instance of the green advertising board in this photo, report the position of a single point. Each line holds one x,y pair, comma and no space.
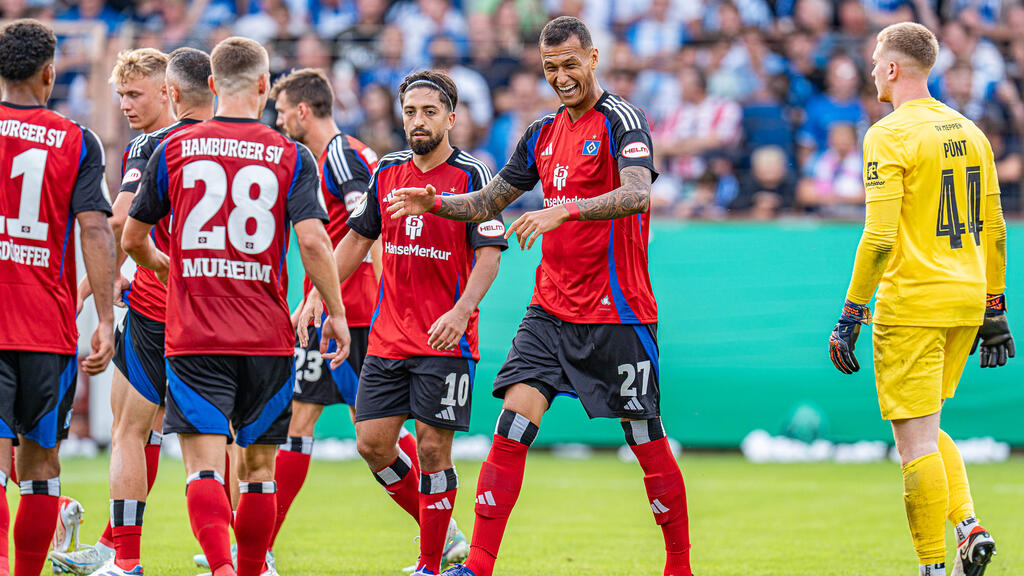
745,312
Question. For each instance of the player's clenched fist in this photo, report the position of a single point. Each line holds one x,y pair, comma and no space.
531,225
413,201
844,337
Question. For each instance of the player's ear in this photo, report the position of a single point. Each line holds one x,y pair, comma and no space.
213,87
263,84
593,58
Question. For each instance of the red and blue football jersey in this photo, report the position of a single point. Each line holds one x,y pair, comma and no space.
347,165
50,170
148,295
234,186
427,259
591,272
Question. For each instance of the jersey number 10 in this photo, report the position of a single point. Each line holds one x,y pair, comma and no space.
949,223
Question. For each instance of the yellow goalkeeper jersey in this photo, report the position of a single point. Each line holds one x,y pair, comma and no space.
941,164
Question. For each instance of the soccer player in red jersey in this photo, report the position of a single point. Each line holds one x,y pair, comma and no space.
140,381
422,354
591,327
304,101
233,185
51,175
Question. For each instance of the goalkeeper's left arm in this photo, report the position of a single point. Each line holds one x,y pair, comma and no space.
994,335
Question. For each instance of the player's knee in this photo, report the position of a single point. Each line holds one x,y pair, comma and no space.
37,463
640,432
434,451
376,453
516,427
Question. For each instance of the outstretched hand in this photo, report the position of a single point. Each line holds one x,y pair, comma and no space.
411,201
531,225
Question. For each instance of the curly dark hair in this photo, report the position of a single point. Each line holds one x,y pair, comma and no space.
433,80
25,47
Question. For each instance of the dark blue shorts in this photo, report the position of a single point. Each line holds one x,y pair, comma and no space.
253,393
37,390
316,382
436,390
139,355
612,368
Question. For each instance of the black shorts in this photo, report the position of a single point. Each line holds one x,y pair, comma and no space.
139,355
436,390
612,368
37,390
253,392
316,382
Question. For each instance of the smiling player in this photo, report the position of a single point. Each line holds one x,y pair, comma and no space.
591,329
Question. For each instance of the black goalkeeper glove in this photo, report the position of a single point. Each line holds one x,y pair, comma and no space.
844,337
994,334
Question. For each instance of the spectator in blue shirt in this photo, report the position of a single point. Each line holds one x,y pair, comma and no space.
839,103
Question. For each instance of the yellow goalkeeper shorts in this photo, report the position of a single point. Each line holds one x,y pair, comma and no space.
917,367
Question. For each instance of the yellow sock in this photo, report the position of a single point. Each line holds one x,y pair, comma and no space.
925,495
961,506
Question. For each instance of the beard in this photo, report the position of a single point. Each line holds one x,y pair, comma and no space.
424,147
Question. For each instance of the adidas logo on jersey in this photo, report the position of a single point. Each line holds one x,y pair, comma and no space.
446,414
634,405
444,504
487,499
658,508
547,151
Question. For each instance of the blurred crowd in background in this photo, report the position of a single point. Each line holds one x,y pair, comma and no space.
757,107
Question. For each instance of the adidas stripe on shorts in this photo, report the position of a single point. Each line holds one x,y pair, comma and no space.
436,390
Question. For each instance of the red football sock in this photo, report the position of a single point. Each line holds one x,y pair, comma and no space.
107,539
128,546
152,460
402,485
437,498
667,495
407,444
5,523
254,526
209,513
501,479
33,530
290,471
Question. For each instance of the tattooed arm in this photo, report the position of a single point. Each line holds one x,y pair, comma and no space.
480,206
632,197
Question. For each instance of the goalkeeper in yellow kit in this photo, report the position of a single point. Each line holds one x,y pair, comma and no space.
934,245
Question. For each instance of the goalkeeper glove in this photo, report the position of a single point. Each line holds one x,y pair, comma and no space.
844,336
994,334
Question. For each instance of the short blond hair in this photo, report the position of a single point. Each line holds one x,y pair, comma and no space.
237,64
140,63
913,41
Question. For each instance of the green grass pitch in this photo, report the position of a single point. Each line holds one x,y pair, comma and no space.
591,517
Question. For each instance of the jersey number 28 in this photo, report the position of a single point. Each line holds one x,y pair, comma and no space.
247,208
